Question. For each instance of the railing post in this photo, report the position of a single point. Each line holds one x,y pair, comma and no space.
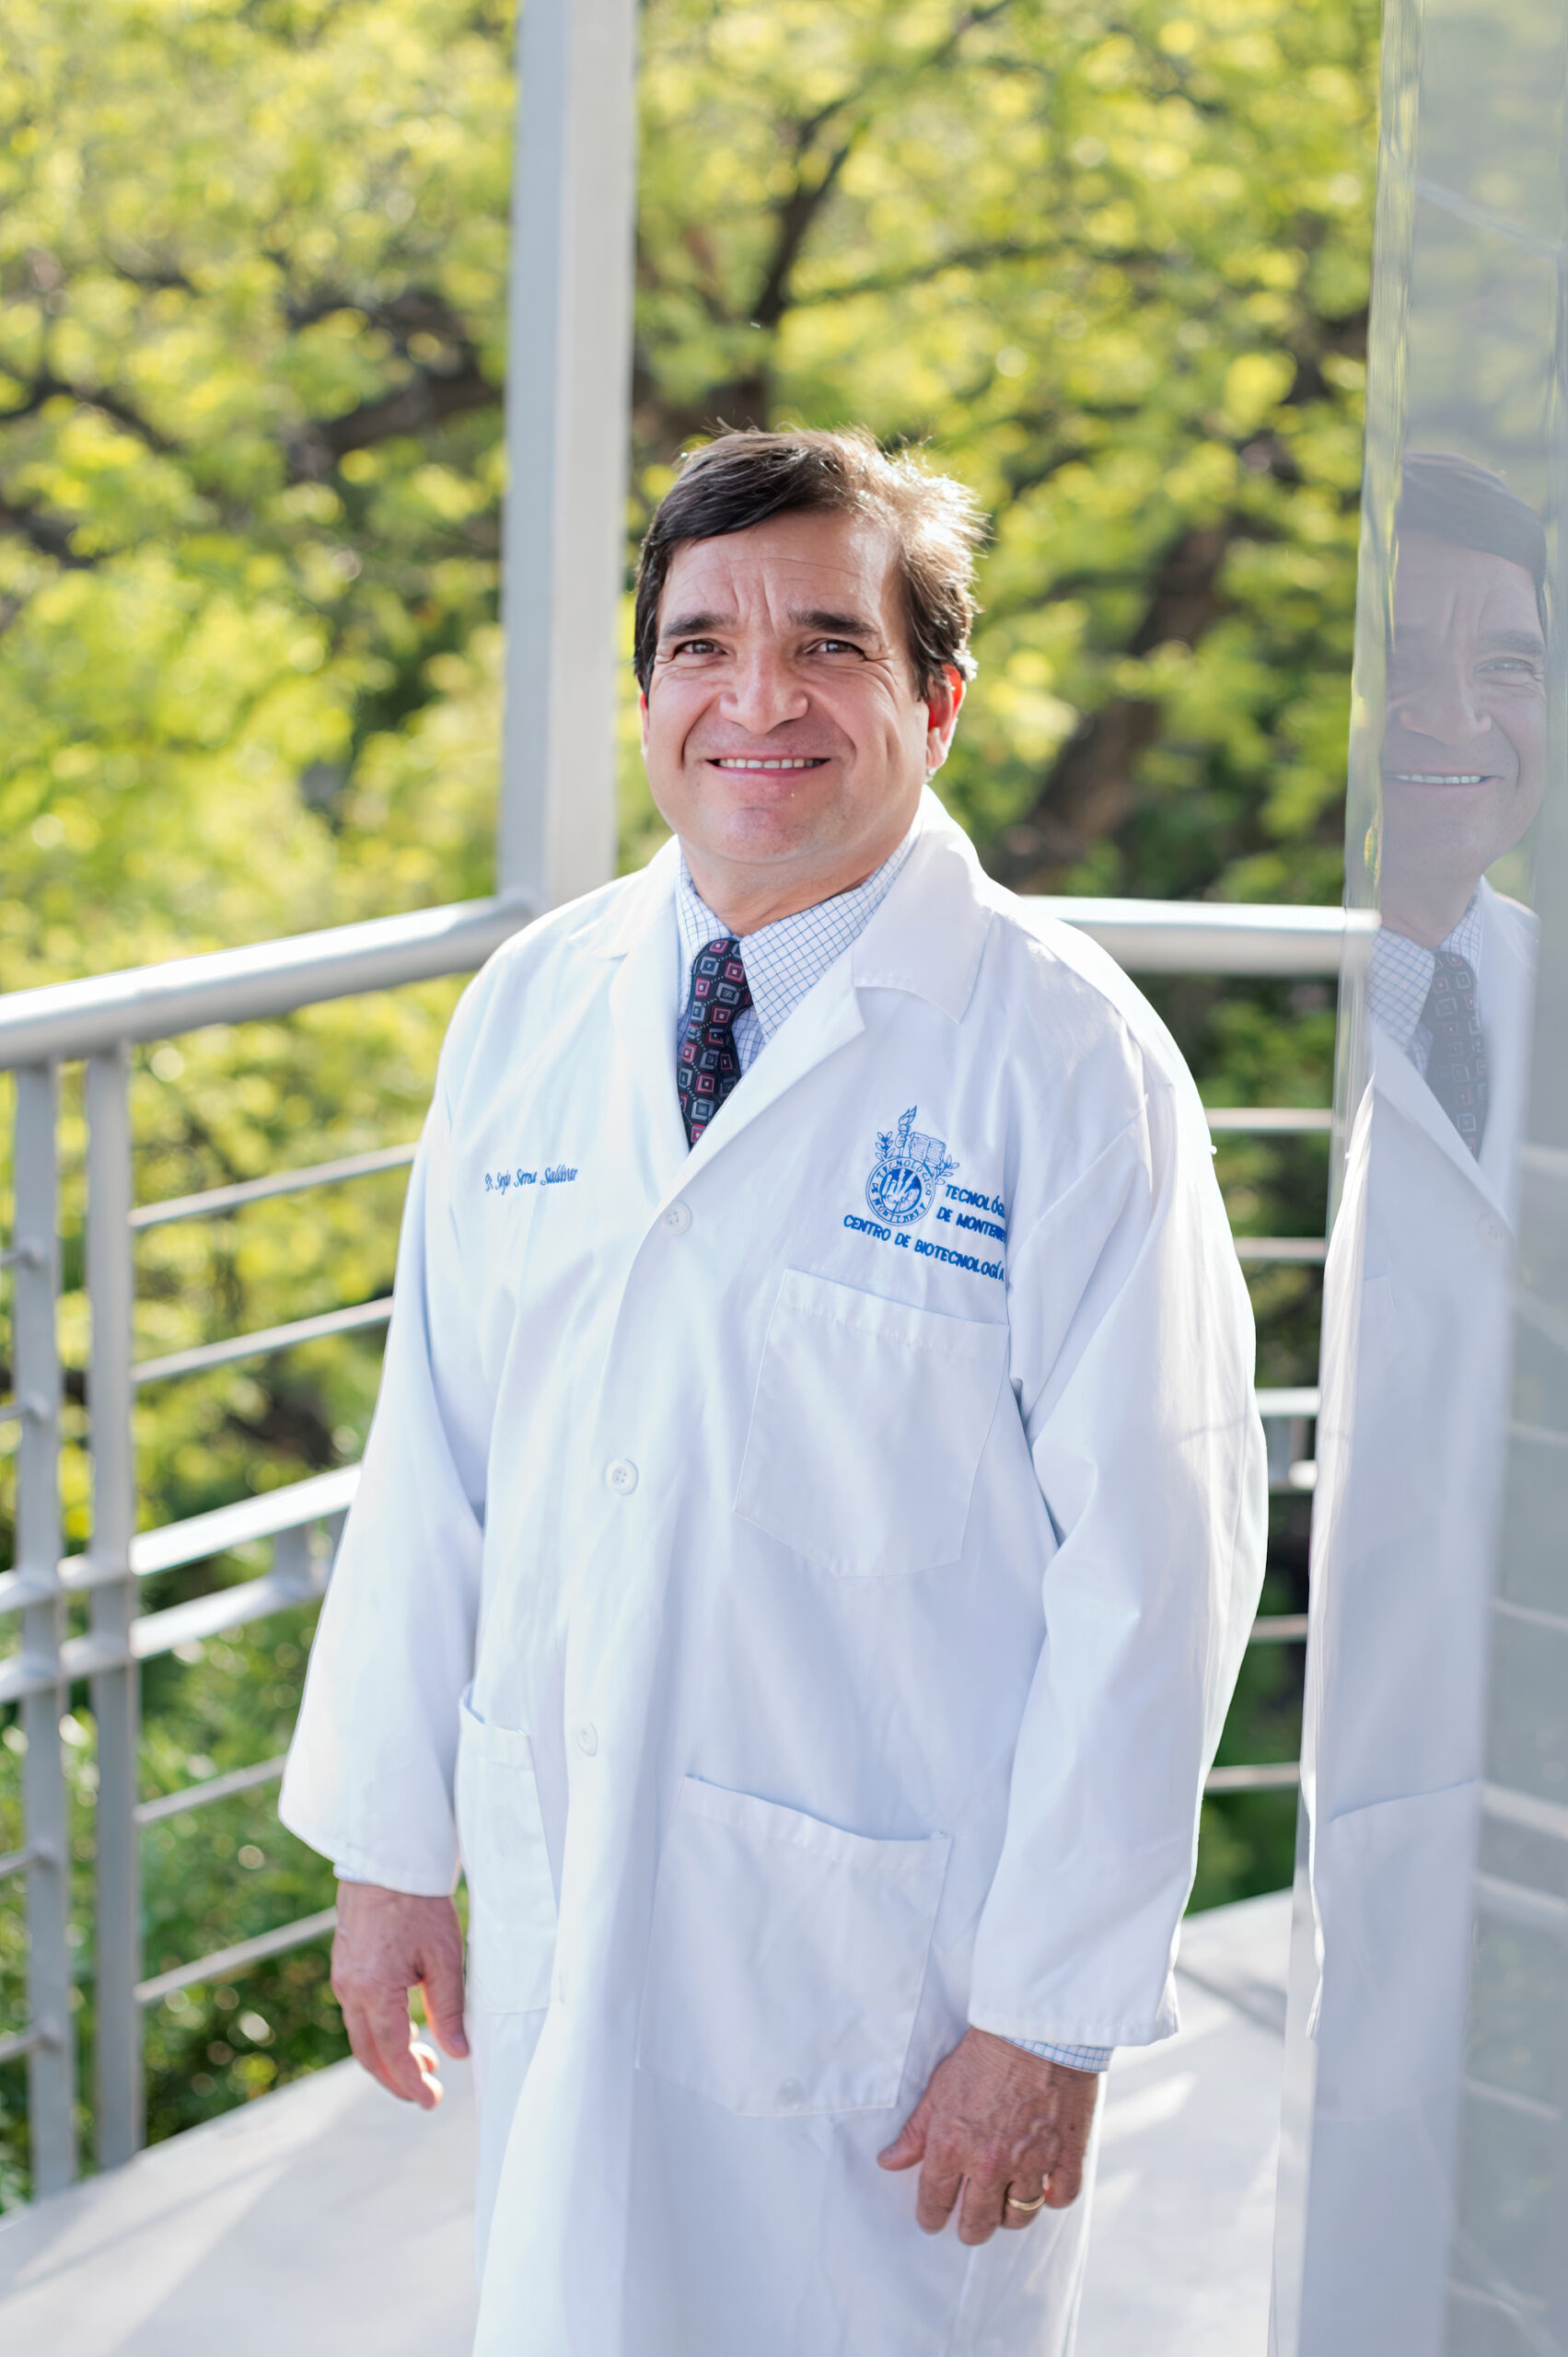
35,1264
568,426
115,1687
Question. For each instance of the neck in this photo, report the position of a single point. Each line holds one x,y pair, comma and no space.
745,898
1426,910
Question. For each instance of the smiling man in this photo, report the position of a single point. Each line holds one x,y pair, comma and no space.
813,1515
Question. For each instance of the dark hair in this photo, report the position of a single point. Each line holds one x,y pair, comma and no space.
1454,500
741,479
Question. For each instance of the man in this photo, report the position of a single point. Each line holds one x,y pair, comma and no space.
1415,1358
813,1516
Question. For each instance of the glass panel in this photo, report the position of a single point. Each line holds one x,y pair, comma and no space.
1424,2173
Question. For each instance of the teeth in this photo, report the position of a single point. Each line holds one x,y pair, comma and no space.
1439,777
749,762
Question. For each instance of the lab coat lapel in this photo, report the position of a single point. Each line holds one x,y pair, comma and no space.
926,938
643,1012
1400,1086
1507,987
1507,1007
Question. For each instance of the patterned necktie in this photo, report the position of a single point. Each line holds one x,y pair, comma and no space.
707,1067
1456,1069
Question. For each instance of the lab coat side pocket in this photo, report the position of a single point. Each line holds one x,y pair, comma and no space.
511,1895
1393,1885
787,1957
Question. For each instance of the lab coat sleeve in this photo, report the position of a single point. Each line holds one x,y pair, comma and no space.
1132,1370
369,1775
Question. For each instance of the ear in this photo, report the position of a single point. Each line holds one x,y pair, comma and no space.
643,716
943,701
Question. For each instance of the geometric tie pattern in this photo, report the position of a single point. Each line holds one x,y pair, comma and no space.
1455,1069
706,1065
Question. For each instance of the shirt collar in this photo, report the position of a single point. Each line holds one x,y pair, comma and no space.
783,960
1402,970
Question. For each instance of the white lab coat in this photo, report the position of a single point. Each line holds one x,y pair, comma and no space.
826,1641
1415,1363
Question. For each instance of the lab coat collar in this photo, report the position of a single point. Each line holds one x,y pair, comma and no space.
929,934
926,938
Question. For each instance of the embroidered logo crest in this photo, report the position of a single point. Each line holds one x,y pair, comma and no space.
907,1170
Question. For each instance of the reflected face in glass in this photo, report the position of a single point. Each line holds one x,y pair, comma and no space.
1464,745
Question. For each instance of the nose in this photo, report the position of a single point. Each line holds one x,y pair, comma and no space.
1446,707
762,695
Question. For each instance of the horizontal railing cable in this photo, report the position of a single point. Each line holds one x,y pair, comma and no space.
211,1788
1271,1120
225,1961
1271,1776
1310,1250
265,1341
18,2042
214,1201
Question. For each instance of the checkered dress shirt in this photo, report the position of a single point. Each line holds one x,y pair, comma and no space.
1401,978
783,962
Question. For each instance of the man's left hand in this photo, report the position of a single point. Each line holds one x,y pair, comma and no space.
995,2120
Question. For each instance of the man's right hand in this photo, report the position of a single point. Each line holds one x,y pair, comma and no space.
388,1942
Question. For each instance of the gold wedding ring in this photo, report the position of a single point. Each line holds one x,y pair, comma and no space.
1038,2204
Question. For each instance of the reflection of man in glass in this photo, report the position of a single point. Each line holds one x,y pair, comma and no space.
1414,1375
1463,768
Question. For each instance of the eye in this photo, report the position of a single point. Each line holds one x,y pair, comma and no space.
837,646
694,646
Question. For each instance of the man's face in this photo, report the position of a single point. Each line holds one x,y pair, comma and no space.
1464,746
783,733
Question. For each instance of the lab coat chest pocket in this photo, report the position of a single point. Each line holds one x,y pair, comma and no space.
511,1896
787,1957
867,1426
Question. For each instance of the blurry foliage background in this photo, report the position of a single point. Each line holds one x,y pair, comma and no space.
1109,258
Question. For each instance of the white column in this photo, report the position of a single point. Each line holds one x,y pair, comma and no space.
568,409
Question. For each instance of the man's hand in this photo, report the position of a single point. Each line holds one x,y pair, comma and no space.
995,2120
387,1944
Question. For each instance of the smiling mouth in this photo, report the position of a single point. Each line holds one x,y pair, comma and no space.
1439,777
756,762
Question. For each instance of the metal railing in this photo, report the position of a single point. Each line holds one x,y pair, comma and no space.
96,1021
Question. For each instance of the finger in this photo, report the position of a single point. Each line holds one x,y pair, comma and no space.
979,2210
443,1988
908,2145
1022,2190
366,2044
941,2181
428,2064
388,2034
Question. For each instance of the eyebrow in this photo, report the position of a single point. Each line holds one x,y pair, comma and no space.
841,625
814,618
1492,642
691,625
1513,642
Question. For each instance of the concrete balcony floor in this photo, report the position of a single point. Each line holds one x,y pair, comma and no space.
326,2219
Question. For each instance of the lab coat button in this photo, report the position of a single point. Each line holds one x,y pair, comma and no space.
1490,1230
622,1475
587,1739
678,1218
792,2093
